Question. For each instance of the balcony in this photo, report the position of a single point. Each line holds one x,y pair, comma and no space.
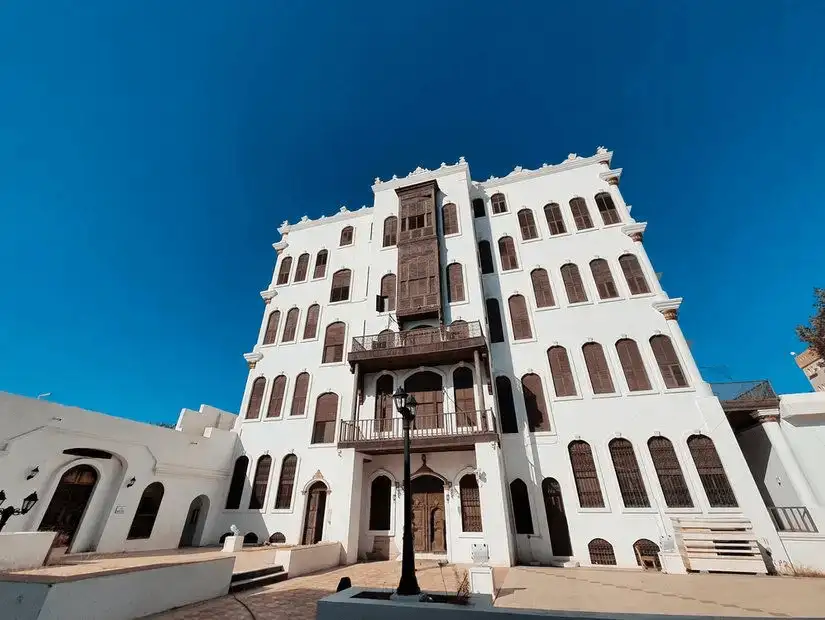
446,344
430,433
745,395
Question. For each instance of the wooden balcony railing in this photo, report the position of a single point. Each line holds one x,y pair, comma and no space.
792,519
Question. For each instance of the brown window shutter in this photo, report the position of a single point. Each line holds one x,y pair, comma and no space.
494,320
380,504
597,368
256,397
711,472
283,272
470,504
537,417
541,288
334,343
669,473
301,268
628,474
449,219
668,362
339,291
346,235
555,220
601,552
581,216
271,333
326,412
276,399
562,371
603,278
521,507
320,264
585,475
573,283
299,395
507,249
607,209
283,499
388,290
260,482
485,256
499,203
290,325
527,223
455,282
464,395
390,231
636,281
632,365
311,323
384,407
520,318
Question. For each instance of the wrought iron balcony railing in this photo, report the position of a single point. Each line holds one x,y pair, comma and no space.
792,519
743,395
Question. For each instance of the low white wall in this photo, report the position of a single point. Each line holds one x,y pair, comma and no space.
805,550
305,559
21,550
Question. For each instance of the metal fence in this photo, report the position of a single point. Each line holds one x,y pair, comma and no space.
454,424
418,337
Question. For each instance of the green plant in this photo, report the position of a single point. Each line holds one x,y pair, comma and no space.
462,589
813,334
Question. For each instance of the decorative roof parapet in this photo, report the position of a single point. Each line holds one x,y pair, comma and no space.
420,175
342,214
602,156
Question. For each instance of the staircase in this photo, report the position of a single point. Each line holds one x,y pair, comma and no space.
257,578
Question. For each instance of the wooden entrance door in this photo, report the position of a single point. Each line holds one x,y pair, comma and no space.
428,390
429,521
556,518
69,503
314,518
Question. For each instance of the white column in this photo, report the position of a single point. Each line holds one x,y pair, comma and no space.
681,346
492,486
614,192
769,418
478,389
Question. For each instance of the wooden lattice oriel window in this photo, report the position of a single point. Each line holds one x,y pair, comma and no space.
711,472
334,343
669,473
301,268
390,231
581,216
283,272
521,507
449,219
507,250
326,412
632,365
271,333
597,368
233,498
601,552
633,274
585,475
527,223
605,285
628,474
542,289
311,323
320,264
607,209
573,283
299,394
276,399
286,483
561,371
256,398
260,482
555,220
538,418
470,504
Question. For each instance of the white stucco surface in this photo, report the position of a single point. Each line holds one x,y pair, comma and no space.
20,550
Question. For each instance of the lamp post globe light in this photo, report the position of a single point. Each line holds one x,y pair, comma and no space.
408,584
9,511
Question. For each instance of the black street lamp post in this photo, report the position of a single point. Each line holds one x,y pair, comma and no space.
9,511
408,584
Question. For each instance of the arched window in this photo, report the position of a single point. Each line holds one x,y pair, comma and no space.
271,333
597,368
647,554
521,507
527,223
485,257
494,319
455,282
301,268
607,209
147,512
520,318
603,278
561,371
633,274
669,473
346,235
581,216
632,365
463,393
668,362
286,483
334,343
390,231
380,503
326,412
601,552
299,394
383,403
311,323
573,284
711,472
499,204
542,289
449,219
339,291
537,417
478,207
506,406
385,340
283,272
256,397
584,472
470,504
631,484
233,498
320,264
290,325
276,399
388,289
555,221
507,250
260,482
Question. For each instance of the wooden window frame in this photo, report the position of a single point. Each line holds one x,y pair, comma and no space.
520,324
607,209
276,397
507,253
573,284
634,275
256,399
389,289
535,404
498,203
291,325
347,236
449,219
311,322
598,368
527,224
633,365
325,435
146,513
581,213
585,474
260,483
340,291
669,473
299,403
562,373
542,288
286,482
470,504
555,219
331,349
628,474
485,257
320,269
284,271
390,237
272,323
603,278
455,283
301,268
667,359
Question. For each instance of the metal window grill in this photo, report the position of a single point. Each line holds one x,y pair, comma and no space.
601,552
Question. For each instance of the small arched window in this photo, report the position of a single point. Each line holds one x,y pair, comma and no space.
455,283
470,504
320,264
632,365
449,219
326,412
607,209
581,216
633,274
603,279
286,483
668,362
647,554
520,318
283,272
507,250
601,552
631,484
388,289
260,482
555,221
585,474
537,417
521,507
597,368
527,223
346,235
302,268
669,473
276,399
494,320
339,291
711,472
147,512
485,257
499,203
271,333
478,207
299,394
311,323
390,231
573,284
290,325
256,397
562,372
380,503
506,406
334,343
464,396
542,289
233,498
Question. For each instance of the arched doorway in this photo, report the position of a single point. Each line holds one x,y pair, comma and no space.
429,522
68,504
556,518
314,517
195,520
428,389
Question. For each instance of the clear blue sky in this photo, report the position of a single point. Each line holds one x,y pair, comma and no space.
149,150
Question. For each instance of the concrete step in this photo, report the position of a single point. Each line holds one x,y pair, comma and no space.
257,578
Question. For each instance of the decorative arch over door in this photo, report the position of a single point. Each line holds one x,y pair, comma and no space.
429,515
68,504
316,505
428,389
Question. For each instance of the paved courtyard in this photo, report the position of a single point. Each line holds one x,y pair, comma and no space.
580,589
